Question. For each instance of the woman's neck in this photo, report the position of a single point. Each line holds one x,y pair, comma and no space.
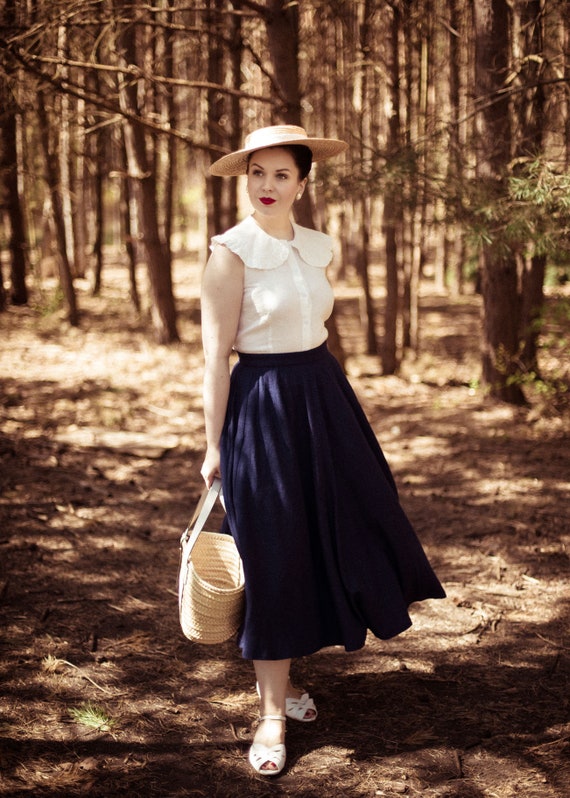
278,227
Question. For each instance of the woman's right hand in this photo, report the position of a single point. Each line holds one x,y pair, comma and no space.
211,466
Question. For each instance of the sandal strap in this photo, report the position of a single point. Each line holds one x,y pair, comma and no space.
273,717
297,708
260,755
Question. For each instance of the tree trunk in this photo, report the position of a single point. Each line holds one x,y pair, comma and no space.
363,269
216,111
52,179
163,310
17,242
392,205
3,298
282,23
453,257
501,307
236,57
366,148
417,96
62,103
98,190
169,119
11,165
529,128
97,149
531,313
439,79
77,172
390,346
127,203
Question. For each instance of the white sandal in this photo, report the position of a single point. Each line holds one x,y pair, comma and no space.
297,708
260,755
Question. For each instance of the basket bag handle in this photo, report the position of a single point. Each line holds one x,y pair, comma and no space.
201,513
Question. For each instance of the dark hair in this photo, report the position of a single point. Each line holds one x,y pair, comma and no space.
302,156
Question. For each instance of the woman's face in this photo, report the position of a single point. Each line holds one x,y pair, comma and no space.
273,181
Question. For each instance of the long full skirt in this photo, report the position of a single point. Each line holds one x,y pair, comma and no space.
327,549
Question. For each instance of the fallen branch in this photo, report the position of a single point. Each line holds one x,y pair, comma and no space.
553,643
84,676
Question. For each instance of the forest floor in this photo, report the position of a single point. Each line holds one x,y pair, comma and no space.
101,440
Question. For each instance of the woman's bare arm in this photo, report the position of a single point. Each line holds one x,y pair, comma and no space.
222,290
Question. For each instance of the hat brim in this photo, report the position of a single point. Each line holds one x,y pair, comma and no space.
235,163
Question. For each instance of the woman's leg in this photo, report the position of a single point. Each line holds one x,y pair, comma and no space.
272,673
272,678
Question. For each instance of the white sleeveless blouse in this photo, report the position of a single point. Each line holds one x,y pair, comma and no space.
286,295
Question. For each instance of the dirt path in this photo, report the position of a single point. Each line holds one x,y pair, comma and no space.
100,444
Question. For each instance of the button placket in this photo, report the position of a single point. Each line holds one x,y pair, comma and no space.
304,295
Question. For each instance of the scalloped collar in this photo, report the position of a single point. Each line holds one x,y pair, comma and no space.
259,250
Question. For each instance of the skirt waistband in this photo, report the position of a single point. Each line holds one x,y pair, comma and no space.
284,358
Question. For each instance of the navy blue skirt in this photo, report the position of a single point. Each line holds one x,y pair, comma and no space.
327,549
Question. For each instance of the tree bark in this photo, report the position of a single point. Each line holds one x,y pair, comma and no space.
9,134
282,24
501,306
365,166
98,192
529,131
216,111
392,205
163,310
52,179
454,266
533,274
14,205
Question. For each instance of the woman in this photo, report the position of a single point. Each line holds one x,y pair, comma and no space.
327,549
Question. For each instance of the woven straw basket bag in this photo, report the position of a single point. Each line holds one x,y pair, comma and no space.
210,581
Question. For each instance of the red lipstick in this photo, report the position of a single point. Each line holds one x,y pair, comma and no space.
267,200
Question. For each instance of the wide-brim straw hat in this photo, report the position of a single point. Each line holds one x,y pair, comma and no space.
235,163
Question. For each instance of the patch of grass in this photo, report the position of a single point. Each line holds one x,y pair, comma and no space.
51,664
94,717
49,303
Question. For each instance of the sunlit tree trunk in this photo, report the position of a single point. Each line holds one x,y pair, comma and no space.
98,207
163,311
3,299
224,69
216,112
77,183
167,110
416,57
51,159
555,24
362,105
129,224
235,139
439,152
392,218
63,132
459,53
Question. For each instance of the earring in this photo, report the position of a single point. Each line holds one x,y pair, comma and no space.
299,195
